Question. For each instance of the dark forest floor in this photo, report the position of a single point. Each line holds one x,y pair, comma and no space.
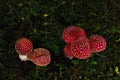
43,21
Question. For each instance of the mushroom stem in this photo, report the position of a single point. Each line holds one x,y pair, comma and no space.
23,57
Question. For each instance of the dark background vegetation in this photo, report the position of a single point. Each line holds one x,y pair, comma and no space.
25,18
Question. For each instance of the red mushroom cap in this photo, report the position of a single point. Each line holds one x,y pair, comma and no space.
40,57
72,33
23,46
98,43
81,48
67,51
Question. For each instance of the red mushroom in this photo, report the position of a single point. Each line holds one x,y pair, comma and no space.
40,57
80,48
72,33
67,51
98,43
23,47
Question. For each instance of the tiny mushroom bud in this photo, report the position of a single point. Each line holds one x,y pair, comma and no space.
98,43
72,33
67,51
23,47
40,57
80,48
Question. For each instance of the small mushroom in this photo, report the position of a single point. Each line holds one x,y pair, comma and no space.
97,42
67,51
23,47
40,57
72,33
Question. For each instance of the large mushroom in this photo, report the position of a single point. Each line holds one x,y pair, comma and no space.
23,47
40,57
80,48
97,42
72,33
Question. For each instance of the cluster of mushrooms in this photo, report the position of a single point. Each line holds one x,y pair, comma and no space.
78,45
39,56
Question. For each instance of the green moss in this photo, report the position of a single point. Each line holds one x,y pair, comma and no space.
8,75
